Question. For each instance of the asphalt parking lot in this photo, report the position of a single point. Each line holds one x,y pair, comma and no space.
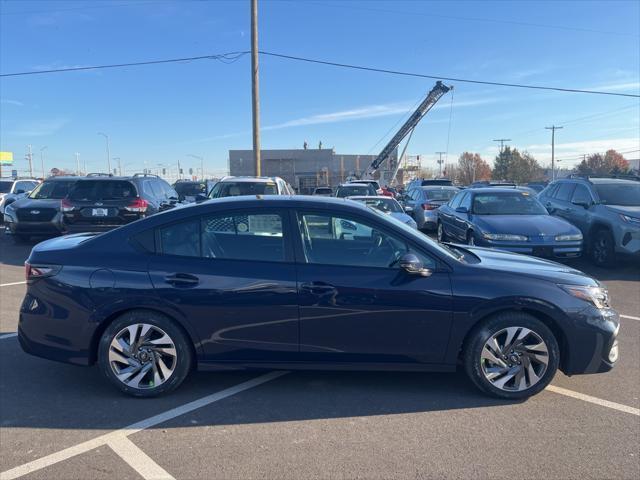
66,422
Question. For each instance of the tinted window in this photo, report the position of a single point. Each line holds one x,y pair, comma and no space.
5,187
581,195
181,239
102,190
466,201
623,194
384,204
25,186
455,201
190,189
550,191
333,240
507,203
355,190
440,194
54,189
250,236
564,192
323,191
233,189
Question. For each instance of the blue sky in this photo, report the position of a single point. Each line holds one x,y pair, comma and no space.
161,114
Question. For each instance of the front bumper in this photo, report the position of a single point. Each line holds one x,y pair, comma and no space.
14,227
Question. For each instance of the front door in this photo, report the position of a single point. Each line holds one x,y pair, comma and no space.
357,305
232,276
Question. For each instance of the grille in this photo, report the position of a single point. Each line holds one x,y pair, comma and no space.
42,215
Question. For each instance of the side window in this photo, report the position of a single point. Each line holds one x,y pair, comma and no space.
565,190
182,239
455,201
24,186
581,195
550,191
147,188
243,236
333,240
466,201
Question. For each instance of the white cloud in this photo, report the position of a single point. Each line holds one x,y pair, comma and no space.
618,87
7,101
571,152
38,128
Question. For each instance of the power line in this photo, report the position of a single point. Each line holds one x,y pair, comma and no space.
438,77
229,57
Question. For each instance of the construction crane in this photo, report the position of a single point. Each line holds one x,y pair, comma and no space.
432,97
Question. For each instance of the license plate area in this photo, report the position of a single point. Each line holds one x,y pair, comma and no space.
99,212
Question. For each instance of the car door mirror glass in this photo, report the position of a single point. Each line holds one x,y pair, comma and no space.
462,210
411,264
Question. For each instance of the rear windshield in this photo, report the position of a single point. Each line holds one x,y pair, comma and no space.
53,190
5,187
355,190
102,190
511,203
323,190
384,204
440,194
234,189
627,195
190,188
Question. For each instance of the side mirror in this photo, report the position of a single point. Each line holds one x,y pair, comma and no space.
584,205
200,198
462,210
411,264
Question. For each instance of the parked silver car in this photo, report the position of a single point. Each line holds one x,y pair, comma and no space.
423,204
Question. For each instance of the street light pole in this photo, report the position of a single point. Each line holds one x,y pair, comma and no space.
255,94
553,129
440,161
108,151
197,157
119,165
42,159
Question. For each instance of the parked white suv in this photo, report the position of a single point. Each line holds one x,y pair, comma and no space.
11,190
236,186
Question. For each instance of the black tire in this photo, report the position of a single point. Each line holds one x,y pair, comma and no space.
442,236
470,238
472,351
183,358
603,253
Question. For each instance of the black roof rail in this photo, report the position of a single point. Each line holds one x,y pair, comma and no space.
99,174
620,176
145,175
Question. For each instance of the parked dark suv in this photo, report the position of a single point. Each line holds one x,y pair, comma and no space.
97,204
606,210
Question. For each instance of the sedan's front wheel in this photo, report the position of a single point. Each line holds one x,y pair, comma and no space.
144,354
513,355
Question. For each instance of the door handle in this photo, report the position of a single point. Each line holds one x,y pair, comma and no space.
182,280
317,288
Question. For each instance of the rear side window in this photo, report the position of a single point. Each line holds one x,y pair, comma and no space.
466,201
581,195
565,191
25,186
455,201
182,239
53,190
102,190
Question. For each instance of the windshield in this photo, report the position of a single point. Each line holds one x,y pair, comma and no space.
190,189
102,190
440,194
323,191
354,190
386,205
5,187
508,203
234,189
53,190
626,195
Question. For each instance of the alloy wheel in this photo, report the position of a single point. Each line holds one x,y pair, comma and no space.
601,249
142,356
514,359
440,233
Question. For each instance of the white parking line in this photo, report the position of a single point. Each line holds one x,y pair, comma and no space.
630,317
138,460
8,335
594,400
135,427
12,283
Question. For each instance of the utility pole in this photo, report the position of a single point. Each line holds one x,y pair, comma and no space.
78,164
502,140
30,158
42,159
108,151
553,129
440,161
255,94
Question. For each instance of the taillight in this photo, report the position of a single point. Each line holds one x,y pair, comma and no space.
428,206
138,205
66,206
33,272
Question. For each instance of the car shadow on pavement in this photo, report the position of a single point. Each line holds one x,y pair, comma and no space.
36,393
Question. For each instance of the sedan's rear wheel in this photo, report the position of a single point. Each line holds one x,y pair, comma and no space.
144,354
513,355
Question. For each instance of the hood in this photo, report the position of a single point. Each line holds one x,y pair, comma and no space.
403,217
633,211
27,202
530,266
529,225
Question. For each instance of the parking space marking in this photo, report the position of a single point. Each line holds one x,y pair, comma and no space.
12,283
138,460
8,335
629,317
107,438
594,400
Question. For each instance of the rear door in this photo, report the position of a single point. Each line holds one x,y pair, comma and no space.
561,203
356,304
232,276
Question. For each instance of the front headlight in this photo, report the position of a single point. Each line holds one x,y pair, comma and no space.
505,237
628,219
597,296
569,238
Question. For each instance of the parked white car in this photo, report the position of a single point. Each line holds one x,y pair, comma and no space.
11,190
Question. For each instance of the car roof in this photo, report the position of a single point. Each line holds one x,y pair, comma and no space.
498,190
602,180
61,177
437,187
351,184
249,179
371,197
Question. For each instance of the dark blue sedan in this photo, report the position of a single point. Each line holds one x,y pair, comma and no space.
306,283
509,219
